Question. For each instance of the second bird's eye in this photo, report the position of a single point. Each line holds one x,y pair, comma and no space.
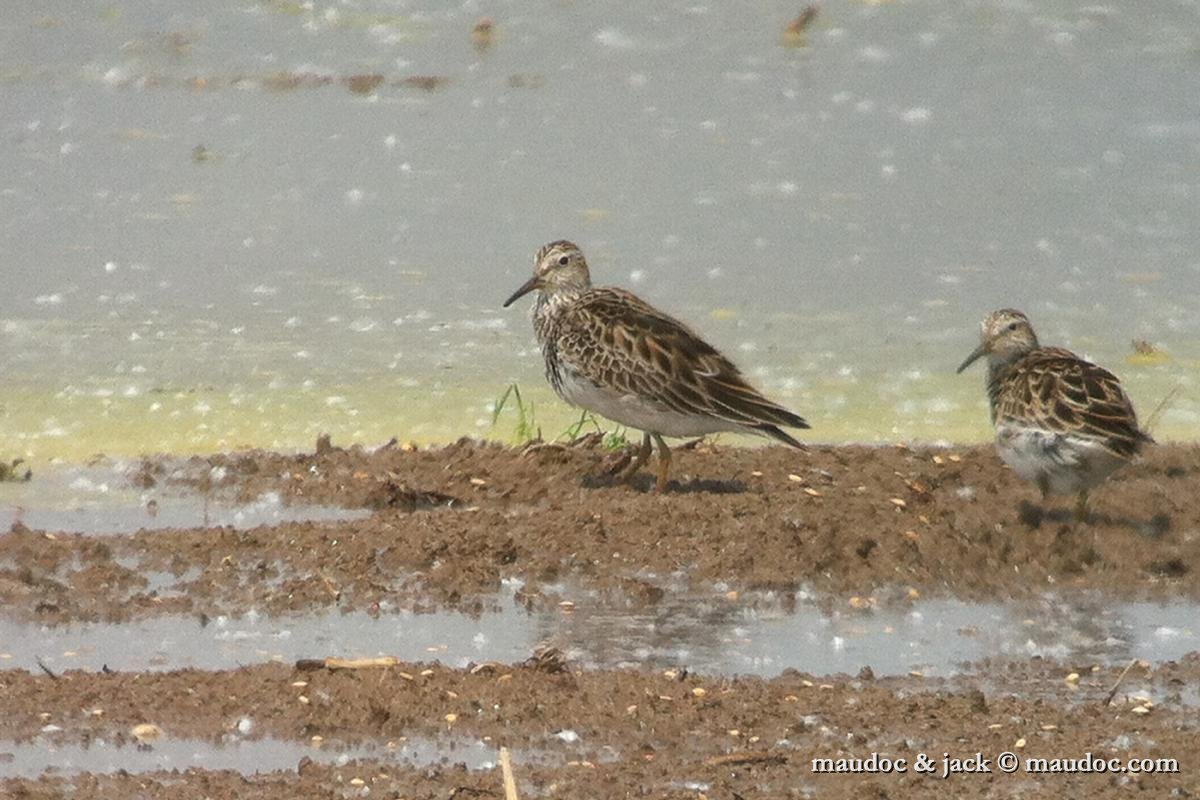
562,261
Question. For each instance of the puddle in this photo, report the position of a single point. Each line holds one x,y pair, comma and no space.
31,759
100,500
756,635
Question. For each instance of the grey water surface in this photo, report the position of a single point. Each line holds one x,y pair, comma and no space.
210,235
754,635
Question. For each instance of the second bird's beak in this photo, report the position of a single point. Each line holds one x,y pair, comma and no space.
527,287
979,351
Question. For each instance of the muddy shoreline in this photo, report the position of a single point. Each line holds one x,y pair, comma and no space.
451,523
865,531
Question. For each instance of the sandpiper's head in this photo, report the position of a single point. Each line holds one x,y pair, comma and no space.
557,267
1003,336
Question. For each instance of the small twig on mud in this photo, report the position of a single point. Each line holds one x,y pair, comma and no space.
334,663
45,669
510,783
1152,420
1108,700
729,759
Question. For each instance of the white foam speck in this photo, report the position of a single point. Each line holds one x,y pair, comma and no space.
873,54
915,116
614,38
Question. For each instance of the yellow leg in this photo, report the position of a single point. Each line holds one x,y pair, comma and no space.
664,464
1081,508
637,461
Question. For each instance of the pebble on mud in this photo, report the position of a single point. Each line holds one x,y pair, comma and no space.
145,733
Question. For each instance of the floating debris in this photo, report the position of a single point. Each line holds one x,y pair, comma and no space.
426,83
793,34
1145,353
287,81
483,35
12,472
519,81
363,84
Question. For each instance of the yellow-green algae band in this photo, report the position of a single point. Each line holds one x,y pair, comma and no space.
43,425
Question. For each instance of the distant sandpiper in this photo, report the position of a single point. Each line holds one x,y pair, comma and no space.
1062,422
612,353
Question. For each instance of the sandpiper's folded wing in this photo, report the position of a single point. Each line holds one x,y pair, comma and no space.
620,342
1055,390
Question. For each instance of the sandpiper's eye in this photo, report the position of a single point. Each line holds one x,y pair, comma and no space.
562,261
1012,326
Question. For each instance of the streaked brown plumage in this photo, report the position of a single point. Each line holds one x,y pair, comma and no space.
608,351
1061,421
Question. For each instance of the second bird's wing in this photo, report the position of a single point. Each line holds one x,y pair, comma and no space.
1057,391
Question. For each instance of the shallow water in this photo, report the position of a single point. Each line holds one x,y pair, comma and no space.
209,240
754,635
247,756
99,499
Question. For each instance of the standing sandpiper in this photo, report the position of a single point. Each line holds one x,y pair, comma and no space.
1062,422
612,353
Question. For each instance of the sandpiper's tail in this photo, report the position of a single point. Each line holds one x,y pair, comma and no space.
775,432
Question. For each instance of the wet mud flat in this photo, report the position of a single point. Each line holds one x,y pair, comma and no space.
582,733
450,525
772,608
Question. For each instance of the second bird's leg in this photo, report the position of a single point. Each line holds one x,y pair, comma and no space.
664,464
1081,507
1043,483
637,461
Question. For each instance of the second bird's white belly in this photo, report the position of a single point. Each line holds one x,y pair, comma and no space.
633,411
1066,464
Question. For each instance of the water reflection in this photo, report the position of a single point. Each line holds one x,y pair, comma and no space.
756,635
246,756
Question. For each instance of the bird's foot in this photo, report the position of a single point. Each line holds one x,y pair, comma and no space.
1081,509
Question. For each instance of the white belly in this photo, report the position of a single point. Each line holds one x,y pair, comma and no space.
1063,463
635,412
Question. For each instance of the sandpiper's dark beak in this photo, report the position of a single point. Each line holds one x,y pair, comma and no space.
525,289
979,351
